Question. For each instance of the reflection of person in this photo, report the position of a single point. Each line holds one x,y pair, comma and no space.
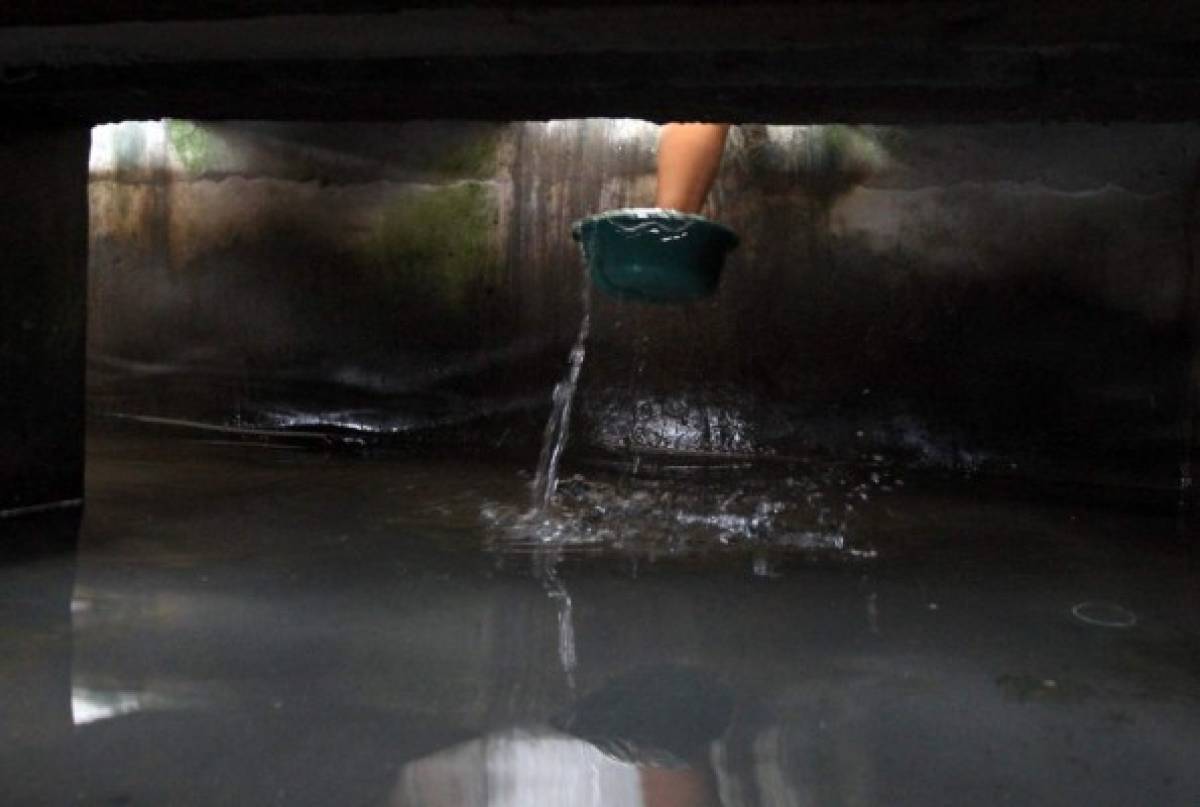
689,155
518,767
644,739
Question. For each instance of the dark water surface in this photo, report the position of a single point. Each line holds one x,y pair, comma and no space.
245,625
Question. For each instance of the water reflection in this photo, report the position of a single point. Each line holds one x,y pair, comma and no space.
645,739
524,767
266,628
88,705
37,572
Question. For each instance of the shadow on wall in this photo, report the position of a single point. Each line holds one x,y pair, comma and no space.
1012,298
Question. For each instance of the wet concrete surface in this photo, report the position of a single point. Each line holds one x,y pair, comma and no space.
255,625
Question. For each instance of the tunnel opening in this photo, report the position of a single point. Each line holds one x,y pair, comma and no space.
1005,303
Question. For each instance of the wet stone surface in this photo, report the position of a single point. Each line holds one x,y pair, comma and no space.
263,625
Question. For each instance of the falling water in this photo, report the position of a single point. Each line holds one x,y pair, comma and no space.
554,440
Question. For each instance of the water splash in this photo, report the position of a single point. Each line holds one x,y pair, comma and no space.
557,591
695,513
554,439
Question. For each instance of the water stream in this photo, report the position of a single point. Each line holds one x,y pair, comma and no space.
554,443
554,439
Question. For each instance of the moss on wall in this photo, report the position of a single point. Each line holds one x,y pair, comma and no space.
433,250
196,149
475,156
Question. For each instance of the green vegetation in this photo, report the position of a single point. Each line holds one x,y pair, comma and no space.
196,148
437,246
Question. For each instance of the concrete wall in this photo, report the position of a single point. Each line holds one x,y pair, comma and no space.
1013,299
279,274
43,256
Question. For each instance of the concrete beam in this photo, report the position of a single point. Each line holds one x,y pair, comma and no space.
636,24
796,62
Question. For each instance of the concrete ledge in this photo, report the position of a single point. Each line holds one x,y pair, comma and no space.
800,62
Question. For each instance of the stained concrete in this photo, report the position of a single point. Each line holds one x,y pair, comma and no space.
43,271
1009,299
275,627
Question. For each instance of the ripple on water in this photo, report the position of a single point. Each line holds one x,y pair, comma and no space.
812,516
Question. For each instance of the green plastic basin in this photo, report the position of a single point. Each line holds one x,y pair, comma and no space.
654,255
